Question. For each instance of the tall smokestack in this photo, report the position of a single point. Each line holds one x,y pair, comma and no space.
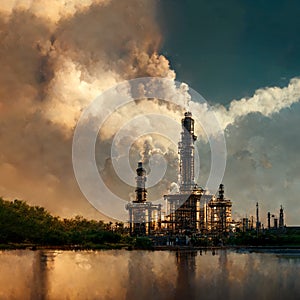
269,220
257,218
186,152
221,192
141,192
281,218
275,223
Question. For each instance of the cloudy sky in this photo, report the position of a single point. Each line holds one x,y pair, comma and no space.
242,56
227,51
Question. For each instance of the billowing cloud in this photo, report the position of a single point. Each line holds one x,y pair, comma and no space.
263,151
52,12
55,58
266,101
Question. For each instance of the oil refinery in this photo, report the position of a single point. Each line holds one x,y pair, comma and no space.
191,211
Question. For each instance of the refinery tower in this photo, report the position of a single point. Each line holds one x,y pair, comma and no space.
191,209
183,208
144,216
186,153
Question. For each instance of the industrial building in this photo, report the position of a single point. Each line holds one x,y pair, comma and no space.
281,224
183,208
274,222
189,211
144,217
220,213
192,210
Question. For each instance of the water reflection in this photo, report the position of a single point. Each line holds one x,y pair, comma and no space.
131,275
223,290
43,261
40,276
140,269
185,283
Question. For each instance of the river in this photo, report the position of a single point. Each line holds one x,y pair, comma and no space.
130,275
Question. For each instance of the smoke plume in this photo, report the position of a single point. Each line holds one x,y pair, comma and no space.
56,57
266,101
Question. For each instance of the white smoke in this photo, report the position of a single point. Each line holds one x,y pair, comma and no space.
55,57
51,11
266,101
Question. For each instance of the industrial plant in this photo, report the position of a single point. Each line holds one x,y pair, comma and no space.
191,211
144,217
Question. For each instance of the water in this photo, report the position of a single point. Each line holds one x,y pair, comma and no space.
146,275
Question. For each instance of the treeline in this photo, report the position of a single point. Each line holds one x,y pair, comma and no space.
22,223
284,237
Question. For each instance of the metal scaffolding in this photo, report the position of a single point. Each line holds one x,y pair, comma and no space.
144,217
186,154
220,209
188,211
184,209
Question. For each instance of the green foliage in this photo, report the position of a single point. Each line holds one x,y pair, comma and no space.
267,238
143,243
127,239
21,223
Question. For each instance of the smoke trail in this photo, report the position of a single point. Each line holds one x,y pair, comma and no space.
56,57
265,101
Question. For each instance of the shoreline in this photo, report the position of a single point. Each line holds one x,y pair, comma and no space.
177,248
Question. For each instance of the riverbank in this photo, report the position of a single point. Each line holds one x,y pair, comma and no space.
64,247
240,249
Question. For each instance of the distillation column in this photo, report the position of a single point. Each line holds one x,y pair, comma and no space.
141,192
186,152
138,218
281,218
144,216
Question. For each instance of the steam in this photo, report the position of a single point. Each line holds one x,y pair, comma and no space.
53,12
56,57
265,101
